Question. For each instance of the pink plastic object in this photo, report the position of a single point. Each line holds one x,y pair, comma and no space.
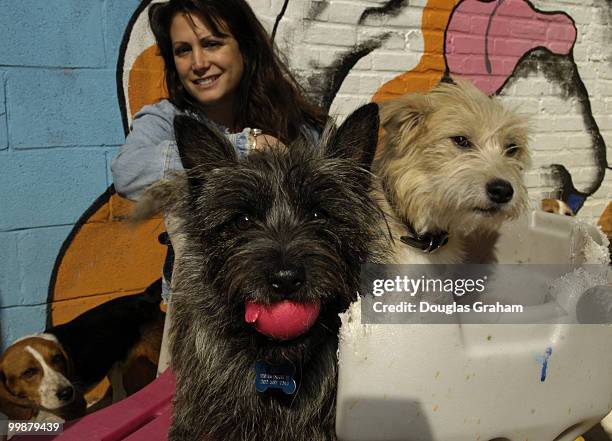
282,320
144,416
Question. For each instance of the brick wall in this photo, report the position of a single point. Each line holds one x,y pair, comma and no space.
60,120
315,35
59,127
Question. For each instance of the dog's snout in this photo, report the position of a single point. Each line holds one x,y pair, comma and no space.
499,191
287,280
65,393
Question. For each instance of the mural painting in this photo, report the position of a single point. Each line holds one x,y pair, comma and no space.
345,55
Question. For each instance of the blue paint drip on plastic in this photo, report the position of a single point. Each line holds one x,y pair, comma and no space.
545,364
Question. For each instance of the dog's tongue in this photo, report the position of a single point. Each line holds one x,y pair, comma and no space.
282,320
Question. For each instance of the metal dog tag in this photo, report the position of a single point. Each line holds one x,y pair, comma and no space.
268,376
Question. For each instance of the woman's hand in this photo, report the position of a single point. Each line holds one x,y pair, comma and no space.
262,141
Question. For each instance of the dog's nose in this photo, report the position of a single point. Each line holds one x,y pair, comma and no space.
287,281
65,393
499,191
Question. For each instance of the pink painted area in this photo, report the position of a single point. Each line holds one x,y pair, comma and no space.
156,430
144,416
516,28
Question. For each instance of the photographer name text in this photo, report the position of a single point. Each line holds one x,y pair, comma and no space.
446,308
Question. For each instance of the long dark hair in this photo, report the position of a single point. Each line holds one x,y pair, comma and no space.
268,96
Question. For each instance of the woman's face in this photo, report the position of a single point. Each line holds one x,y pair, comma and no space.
210,67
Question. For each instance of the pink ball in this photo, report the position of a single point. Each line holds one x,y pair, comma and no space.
284,320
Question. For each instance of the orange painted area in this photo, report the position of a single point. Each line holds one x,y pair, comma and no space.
108,257
146,84
605,221
432,65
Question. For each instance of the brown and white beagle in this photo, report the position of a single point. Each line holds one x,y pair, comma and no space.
556,206
50,372
34,376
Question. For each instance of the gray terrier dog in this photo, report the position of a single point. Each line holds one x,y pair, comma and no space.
272,253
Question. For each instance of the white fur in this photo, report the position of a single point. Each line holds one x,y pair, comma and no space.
44,336
606,423
52,381
565,209
438,184
400,253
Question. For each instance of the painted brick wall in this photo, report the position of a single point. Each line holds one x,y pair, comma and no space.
60,121
314,35
59,127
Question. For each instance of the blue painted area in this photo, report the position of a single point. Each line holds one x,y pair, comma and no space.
547,355
19,321
110,154
27,263
9,272
62,33
3,133
117,14
37,250
575,201
60,124
54,108
49,187
3,127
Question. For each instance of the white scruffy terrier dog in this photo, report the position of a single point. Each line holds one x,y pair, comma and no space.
451,163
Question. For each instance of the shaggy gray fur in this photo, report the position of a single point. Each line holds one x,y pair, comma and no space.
307,206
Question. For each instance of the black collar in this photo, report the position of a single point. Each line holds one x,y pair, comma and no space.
428,242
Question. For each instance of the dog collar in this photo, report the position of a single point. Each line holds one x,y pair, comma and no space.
428,242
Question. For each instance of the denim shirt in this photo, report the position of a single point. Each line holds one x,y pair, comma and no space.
150,152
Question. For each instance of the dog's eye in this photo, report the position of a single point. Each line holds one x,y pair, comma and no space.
29,372
244,222
512,150
317,215
462,142
57,359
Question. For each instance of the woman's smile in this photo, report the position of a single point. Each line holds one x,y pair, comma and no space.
209,64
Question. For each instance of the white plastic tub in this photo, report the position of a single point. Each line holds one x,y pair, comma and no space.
481,382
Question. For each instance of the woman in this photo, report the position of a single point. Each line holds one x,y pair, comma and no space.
219,65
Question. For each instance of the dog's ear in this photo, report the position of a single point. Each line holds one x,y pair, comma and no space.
403,118
357,137
201,145
69,363
12,406
162,195
447,79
